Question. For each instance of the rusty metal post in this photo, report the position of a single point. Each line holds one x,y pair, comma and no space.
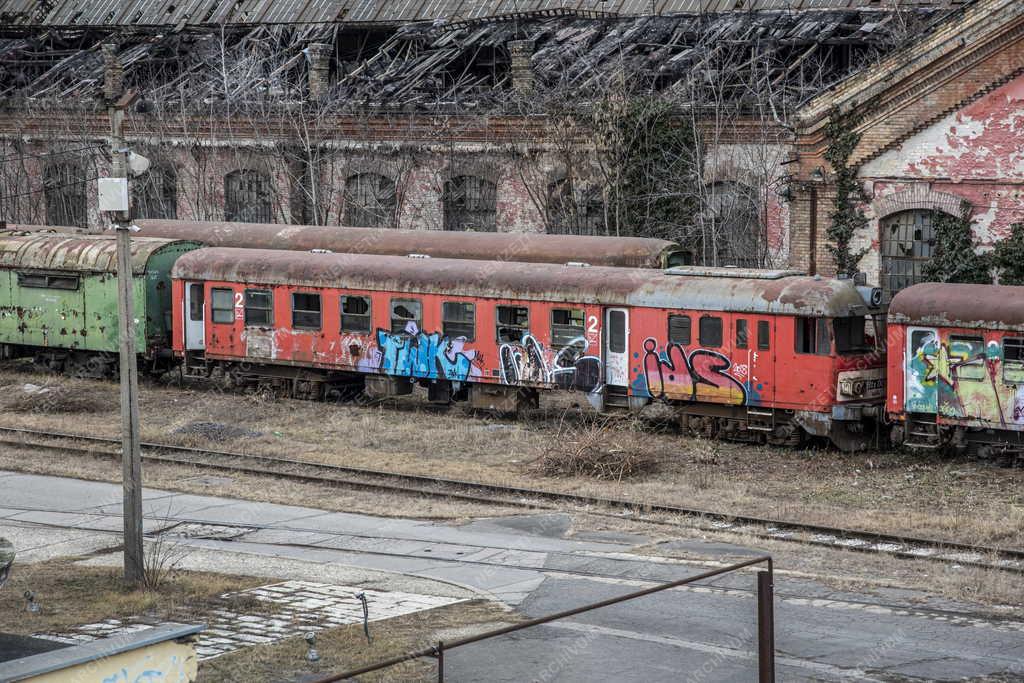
765,626
440,661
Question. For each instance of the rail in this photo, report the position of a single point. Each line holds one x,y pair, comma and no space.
765,625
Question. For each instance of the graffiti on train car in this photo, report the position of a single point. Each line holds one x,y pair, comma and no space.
569,367
418,354
965,378
700,375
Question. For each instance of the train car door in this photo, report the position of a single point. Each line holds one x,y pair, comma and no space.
919,370
616,347
195,312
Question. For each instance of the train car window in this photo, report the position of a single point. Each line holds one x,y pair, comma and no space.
812,336
458,319
710,331
850,335
405,312
566,325
222,303
305,311
195,303
969,355
1013,360
356,314
48,281
764,335
259,307
679,329
513,323
741,334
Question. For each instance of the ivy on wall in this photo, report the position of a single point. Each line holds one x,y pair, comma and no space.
847,218
1008,257
954,257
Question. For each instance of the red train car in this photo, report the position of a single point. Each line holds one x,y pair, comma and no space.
956,367
750,354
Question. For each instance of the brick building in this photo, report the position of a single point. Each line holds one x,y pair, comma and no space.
439,117
939,124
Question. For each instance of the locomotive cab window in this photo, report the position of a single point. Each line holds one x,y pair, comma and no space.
48,281
850,335
967,354
222,303
812,336
406,312
458,319
710,331
1013,361
513,323
305,311
259,307
679,329
741,334
566,325
356,314
764,334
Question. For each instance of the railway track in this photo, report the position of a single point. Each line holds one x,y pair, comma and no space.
963,554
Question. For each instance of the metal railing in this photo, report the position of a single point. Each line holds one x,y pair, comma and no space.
765,624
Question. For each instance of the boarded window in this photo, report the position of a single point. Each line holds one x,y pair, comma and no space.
907,244
567,324
679,329
49,280
155,194
968,355
710,331
406,312
222,303
812,336
1013,360
305,311
248,197
470,203
458,319
572,211
764,334
731,226
64,189
356,314
513,323
259,307
370,201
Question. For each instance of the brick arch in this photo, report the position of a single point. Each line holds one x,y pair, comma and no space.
921,197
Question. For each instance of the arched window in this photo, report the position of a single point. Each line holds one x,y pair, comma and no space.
64,188
574,212
370,201
907,241
248,197
732,227
470,203
155,193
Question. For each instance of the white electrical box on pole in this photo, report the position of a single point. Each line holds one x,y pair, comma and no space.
113,198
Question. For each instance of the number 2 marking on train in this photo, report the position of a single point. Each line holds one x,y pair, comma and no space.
238,299
592,326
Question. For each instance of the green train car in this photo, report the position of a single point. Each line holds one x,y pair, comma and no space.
58,300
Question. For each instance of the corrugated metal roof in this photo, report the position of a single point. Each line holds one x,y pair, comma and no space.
173,12
801,295
82,253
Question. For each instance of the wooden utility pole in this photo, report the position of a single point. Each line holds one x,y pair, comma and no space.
131,456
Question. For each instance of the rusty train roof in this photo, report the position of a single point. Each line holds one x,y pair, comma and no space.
80,253
999,307
640,252
780,293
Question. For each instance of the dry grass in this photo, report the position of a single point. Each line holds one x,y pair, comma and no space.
594,447
71,595
56,395
345,648
920,494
